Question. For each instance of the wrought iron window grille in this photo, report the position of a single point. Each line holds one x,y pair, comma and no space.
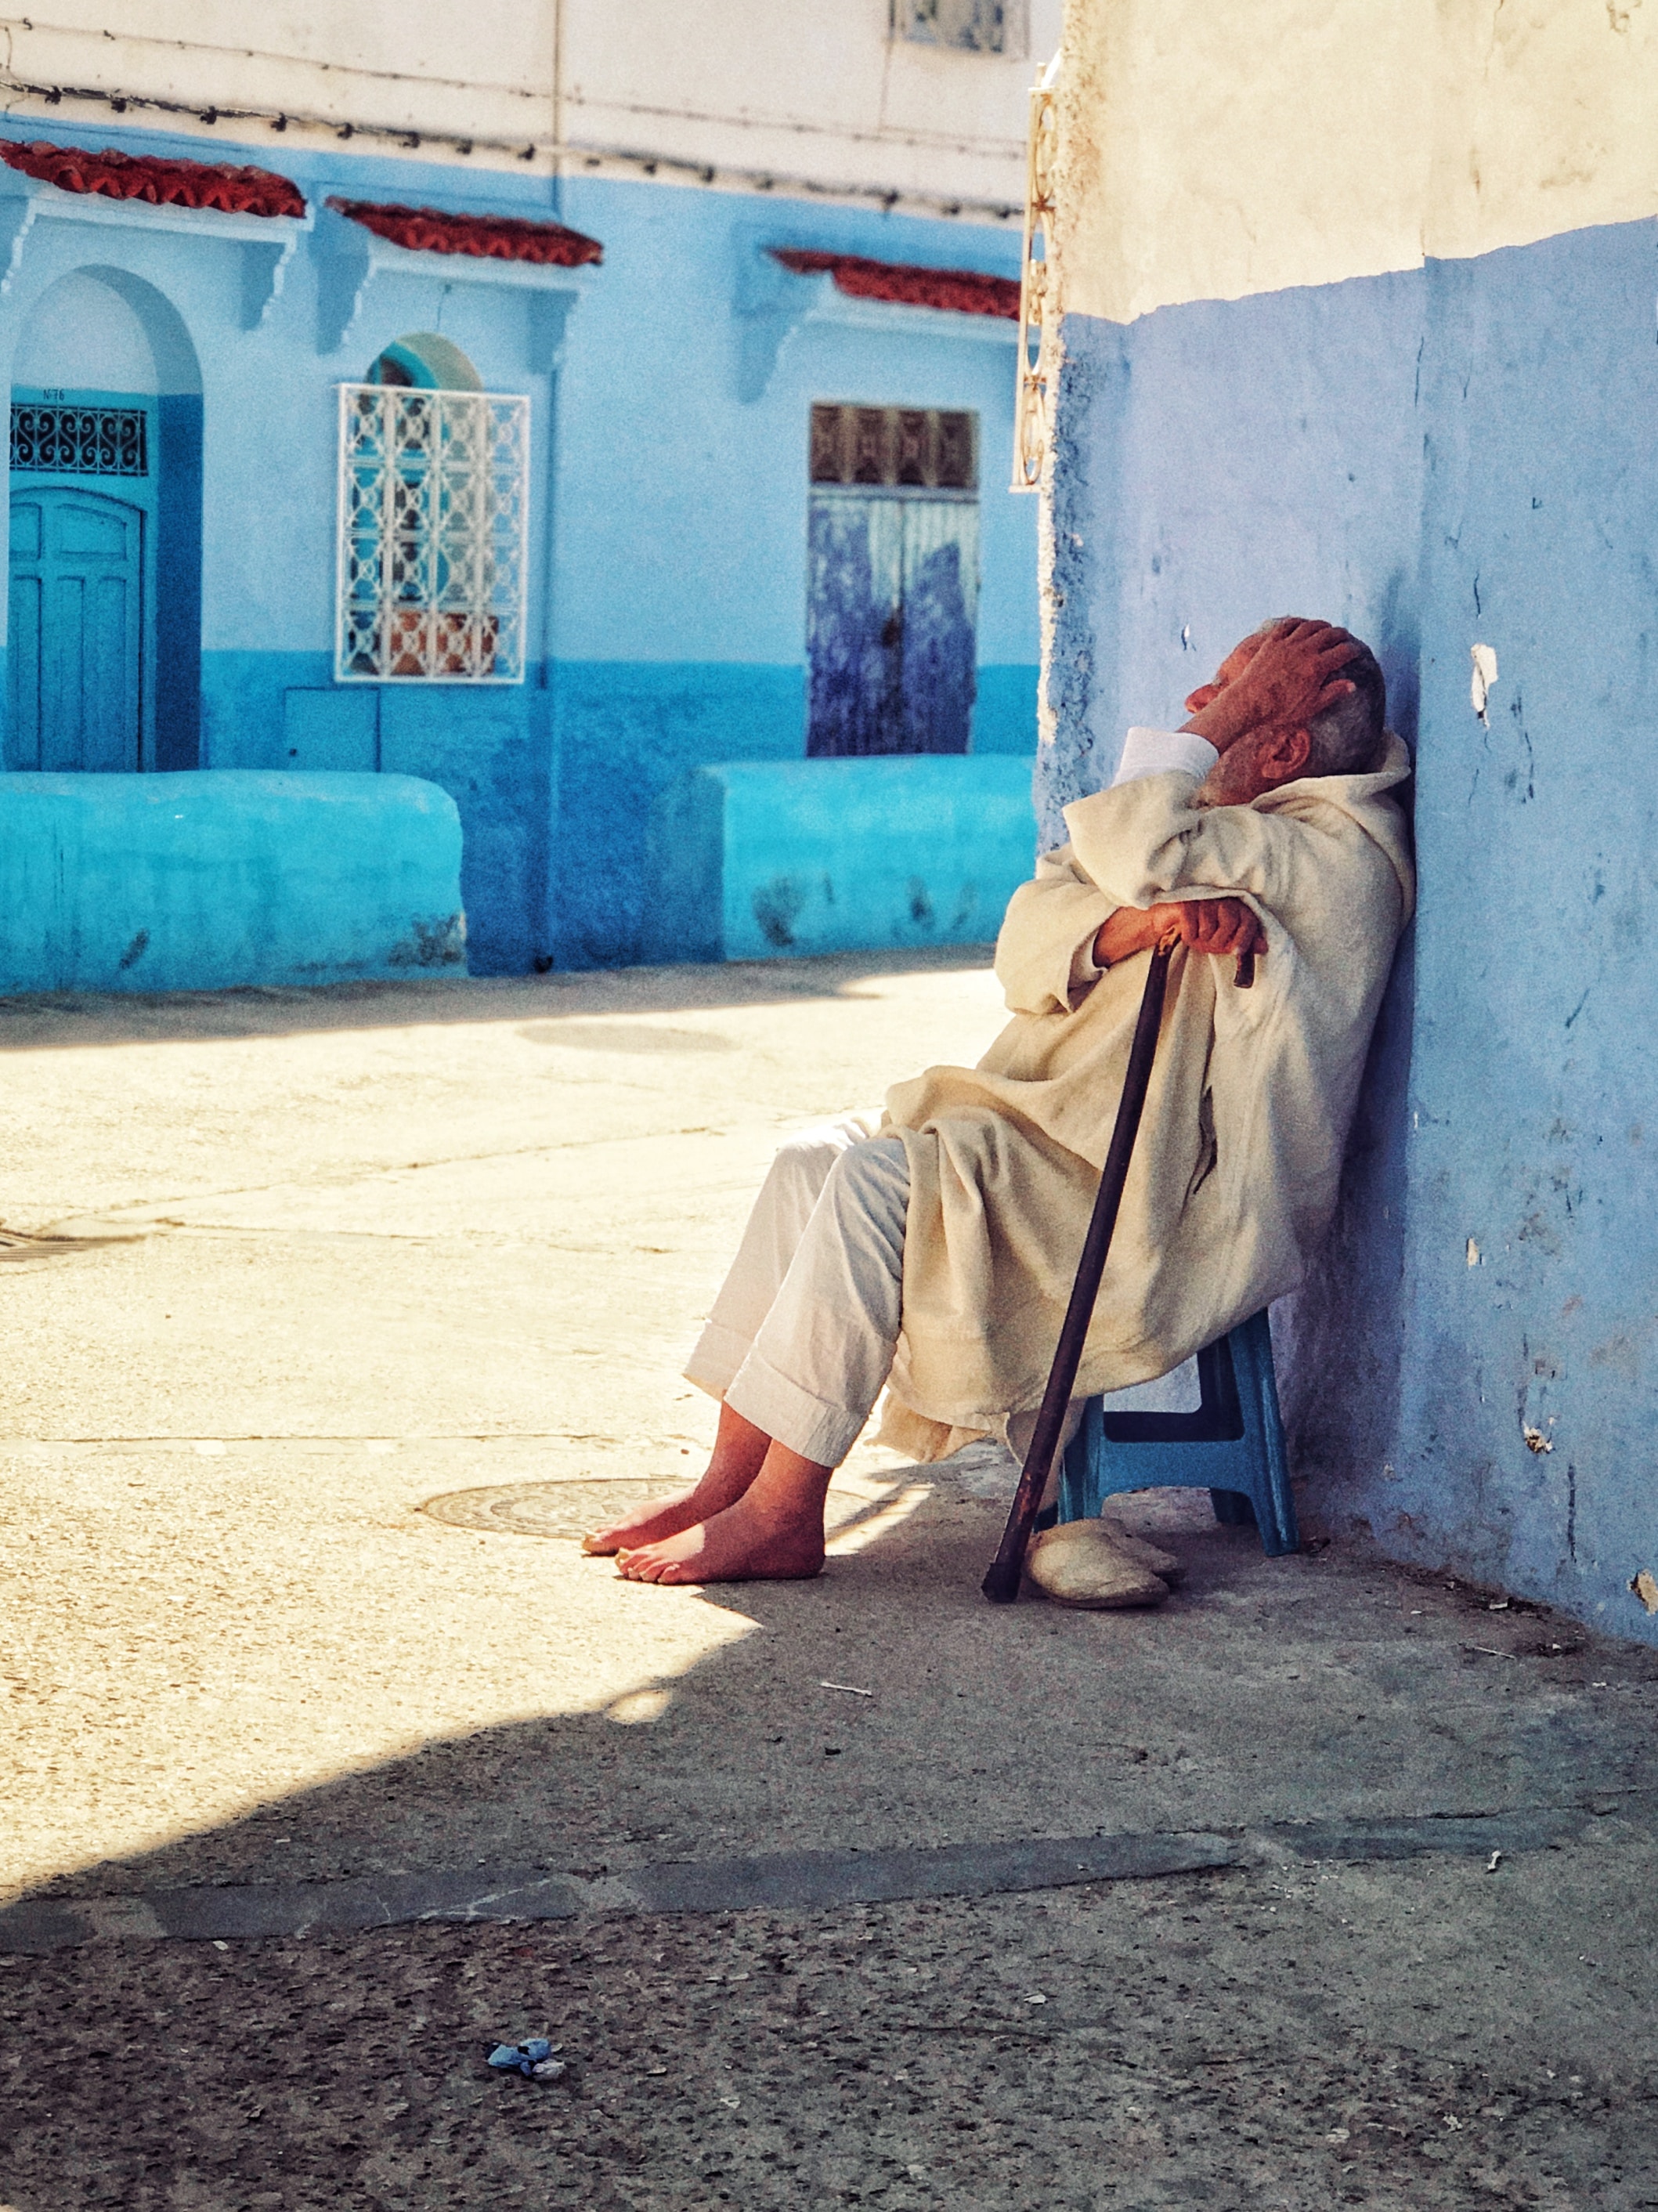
922,448
81,441
1038,359
433,515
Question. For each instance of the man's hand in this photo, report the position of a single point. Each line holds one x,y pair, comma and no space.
1217,926
1284,679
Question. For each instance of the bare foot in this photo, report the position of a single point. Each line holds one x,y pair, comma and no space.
741,1545
772,1533
649,1523
739,1451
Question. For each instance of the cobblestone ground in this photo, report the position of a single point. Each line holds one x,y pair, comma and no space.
1374,2037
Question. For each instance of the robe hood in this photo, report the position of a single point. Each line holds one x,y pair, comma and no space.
1362,797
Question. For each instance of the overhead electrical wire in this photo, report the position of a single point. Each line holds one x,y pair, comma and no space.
410,139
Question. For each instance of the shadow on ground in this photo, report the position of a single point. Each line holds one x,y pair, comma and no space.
109,1017
1405,2035
1329,1685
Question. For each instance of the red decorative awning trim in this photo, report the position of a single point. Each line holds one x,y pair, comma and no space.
958,291
489,237
164,184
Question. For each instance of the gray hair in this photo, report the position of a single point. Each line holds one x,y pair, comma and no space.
1346,740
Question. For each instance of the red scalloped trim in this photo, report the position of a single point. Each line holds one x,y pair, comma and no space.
119,176
958,291
489,237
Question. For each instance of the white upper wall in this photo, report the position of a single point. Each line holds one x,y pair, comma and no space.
401,64
819,91
823,94
1211,152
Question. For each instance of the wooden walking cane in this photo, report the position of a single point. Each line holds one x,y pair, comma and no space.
1001,1584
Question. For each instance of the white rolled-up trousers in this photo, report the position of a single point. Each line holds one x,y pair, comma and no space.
802,1335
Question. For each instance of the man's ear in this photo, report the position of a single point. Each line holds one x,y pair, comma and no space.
1284,755
1202,697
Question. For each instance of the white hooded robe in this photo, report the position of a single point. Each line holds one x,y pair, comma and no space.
1234,1175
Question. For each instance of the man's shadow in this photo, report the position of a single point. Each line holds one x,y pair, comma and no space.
886,1706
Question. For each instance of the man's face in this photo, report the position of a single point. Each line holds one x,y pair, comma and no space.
1241,776
1237,780
1229,670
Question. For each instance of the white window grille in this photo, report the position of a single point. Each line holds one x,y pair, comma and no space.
434,512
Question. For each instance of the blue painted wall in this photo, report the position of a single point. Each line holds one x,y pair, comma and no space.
777,860
668,525
204,881
678,627
179,559
626,731
1460,454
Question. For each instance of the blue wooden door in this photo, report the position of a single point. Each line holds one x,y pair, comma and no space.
940,606
892,617
76,655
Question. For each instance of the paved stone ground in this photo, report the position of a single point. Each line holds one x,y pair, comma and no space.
280,1267
1409,2039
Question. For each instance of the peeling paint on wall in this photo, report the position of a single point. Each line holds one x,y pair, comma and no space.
1485,675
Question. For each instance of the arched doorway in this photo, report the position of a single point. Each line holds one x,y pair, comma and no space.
104,592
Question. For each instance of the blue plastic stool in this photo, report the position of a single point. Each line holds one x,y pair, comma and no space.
1232,1446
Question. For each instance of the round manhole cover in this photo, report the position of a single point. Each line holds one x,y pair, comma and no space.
541,1508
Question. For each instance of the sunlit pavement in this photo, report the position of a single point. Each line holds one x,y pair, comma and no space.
284,1266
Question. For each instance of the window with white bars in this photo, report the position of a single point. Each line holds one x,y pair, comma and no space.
433,508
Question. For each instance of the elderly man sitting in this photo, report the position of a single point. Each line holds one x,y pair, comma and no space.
932,1249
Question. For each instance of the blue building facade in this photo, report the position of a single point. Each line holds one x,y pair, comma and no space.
669,390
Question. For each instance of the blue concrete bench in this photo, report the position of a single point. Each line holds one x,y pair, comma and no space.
203,880
775,859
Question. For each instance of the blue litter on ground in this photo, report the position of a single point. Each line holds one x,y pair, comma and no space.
533,2059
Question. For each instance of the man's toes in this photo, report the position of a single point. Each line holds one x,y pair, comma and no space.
642,1565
